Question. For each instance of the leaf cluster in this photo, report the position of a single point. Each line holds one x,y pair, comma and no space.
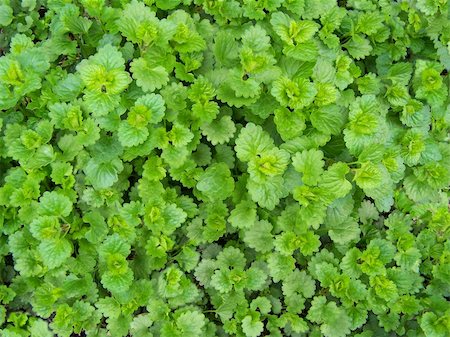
187,168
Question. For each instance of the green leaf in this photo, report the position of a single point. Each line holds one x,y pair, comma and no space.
299,282
290,124
103,174
149,77
104,72
216,182
280,266
141,325
271,163
268,193
358,47
244,215
139,24
333,319
252,141
384,287
130,135
308,243
6,15
54,204
368,175
295,94
219,131
333,180
251,327
329,119
225,48
39,328
191,323
259,236
434,326
97,229
180,136
55,252
310,164
117,276
345,232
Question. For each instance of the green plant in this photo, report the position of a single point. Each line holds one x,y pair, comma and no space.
224,168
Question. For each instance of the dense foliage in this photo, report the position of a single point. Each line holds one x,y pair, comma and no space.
196,168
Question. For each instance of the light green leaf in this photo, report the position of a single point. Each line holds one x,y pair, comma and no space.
55,252
368,175
252,141
259,236
252,328
216,182
244,215
333,180
103,174
6,15
310,163
268,193
149,77
54,204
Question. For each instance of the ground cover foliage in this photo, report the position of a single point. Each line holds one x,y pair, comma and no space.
195,168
